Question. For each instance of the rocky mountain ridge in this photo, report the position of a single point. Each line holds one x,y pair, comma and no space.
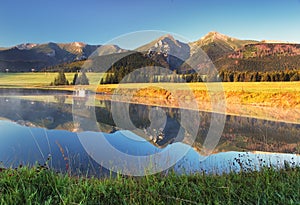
225,51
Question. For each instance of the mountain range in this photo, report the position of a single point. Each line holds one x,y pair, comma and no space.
227,53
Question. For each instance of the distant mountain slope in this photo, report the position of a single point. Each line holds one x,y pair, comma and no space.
262,57
25,57
232,54
227,53
108,49
167,45
29,56
216,45
214,36
262,49
167,51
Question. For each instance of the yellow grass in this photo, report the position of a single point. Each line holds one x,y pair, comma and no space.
43,79
278,101
268,87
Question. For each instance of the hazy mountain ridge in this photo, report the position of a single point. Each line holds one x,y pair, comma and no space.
25,57
225,52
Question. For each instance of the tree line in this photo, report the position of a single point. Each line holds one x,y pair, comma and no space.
224,76
122,75
244,76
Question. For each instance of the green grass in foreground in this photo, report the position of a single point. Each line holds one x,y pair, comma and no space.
30,186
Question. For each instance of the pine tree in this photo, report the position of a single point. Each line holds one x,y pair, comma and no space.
295,77
82,79
286,77
75,79
231,77
101,81
222,76
60,79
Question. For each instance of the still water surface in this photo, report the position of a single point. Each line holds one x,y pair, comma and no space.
32,128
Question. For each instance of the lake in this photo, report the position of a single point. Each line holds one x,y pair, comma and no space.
87,136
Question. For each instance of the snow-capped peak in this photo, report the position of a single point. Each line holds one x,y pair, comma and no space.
78,44
26,46
213,35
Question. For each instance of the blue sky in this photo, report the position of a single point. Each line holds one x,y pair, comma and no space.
98,21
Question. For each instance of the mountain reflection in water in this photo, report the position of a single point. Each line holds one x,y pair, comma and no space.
32,129
28,146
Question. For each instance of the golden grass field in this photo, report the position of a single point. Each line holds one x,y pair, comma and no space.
278,101
279,94
43,79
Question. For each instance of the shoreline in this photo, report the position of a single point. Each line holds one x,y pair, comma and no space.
257,108
233,107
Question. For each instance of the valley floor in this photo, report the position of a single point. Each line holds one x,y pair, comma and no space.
278,101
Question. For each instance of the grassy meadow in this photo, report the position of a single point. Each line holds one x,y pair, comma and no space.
40,79
43,79
42,186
